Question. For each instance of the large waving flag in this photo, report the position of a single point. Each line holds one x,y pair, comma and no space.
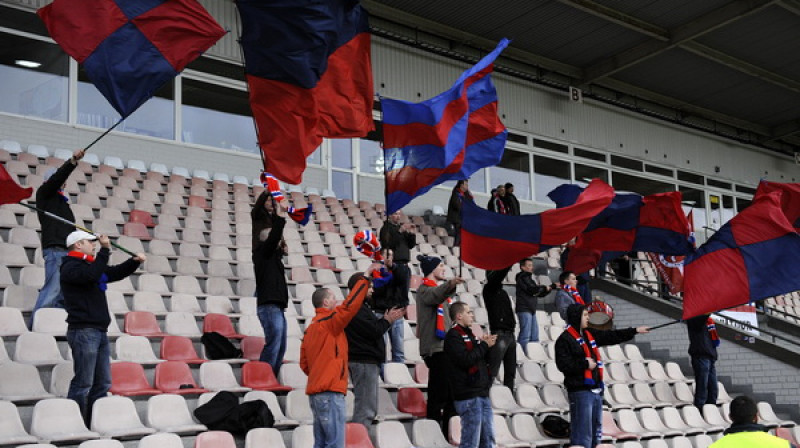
10,191
310,76
493,241
449,136
129,49
790,199
752,257
654,223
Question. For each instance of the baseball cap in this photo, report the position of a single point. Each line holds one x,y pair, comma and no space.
79,235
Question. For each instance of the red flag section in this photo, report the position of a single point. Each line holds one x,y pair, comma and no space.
10,191
790,199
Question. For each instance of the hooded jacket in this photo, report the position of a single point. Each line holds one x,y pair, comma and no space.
498,304
700,343
324,351
570,357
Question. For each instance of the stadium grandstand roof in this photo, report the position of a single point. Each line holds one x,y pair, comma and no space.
731,67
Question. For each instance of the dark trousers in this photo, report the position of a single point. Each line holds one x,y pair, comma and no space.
705,381
505,352
440,395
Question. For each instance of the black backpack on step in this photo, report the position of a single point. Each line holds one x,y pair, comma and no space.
219,347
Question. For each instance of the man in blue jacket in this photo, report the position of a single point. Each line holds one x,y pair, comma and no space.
84,277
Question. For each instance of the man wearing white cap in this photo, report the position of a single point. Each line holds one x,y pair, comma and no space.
84,276
50,197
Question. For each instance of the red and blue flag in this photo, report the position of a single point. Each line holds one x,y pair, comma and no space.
130,49
653,223
752,257
493,241
790,199
447,137
310,76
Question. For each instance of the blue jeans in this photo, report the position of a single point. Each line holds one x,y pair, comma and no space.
274,323
329,419
50,295
92,380
705,381
395,337
477,427
528,329
586,418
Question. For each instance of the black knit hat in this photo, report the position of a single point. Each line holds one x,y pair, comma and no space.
428,264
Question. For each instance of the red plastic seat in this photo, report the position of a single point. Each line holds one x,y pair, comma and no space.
411,401
128,379
221,324
258,375
214,439
411,312
179,348
142,323
141,216
252,347
356,436
610,428
321,261
198,201
136,230
171,375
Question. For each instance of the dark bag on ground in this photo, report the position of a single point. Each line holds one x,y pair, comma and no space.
555,427
224,413
219,347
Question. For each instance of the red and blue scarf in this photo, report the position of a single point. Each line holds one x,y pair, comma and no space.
103,282
468,342
591,351
573,291
440,330
712,331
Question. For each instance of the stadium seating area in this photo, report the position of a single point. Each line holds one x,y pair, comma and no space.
196,231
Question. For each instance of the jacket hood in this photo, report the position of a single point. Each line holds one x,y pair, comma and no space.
574,313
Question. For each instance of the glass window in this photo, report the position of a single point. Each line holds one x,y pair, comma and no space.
624,162
515,168
34,78
342,153
586,154
691,177
342,184
718,184
694,201
544,144
316,157
658,170
550,173
217,116
585,173
624,183
477,182
155,117
742,203
727,209
370,157
744,189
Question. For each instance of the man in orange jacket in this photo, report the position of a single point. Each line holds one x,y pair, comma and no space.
323,357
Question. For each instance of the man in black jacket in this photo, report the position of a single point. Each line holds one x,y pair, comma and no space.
400,239
470,378
528,293
703,342
272,293
510,200
393,293
50,197
83,282
501,324
578,357
366,350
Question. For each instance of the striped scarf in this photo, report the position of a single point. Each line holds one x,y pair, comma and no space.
440,330
712,331
573,291
473,369
591,351
272,184
63,195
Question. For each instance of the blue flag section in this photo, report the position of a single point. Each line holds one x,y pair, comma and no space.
447,137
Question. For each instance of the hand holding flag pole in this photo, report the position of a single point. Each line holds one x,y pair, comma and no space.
12,193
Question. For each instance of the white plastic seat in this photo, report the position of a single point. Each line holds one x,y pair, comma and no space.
427,434
554,396
628,422
392,435
135,349
664,393
291,375
3,353
114,161
37,349
691,415
11,320
182,324
386,408
652,422
59,420
528,397
60,377
503,436
702,441
11,429
185,303
525,428
218,375
552,373
622,394
264,438
298,407
644,394
219,305
303,437
281,421
116,416
169,413
675,373
767,416
503,401
656,443
149,301
21,382
681,442
673,419
537,353
396,375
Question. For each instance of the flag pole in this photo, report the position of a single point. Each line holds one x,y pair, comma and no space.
66,221
101,136
247,87
681,320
